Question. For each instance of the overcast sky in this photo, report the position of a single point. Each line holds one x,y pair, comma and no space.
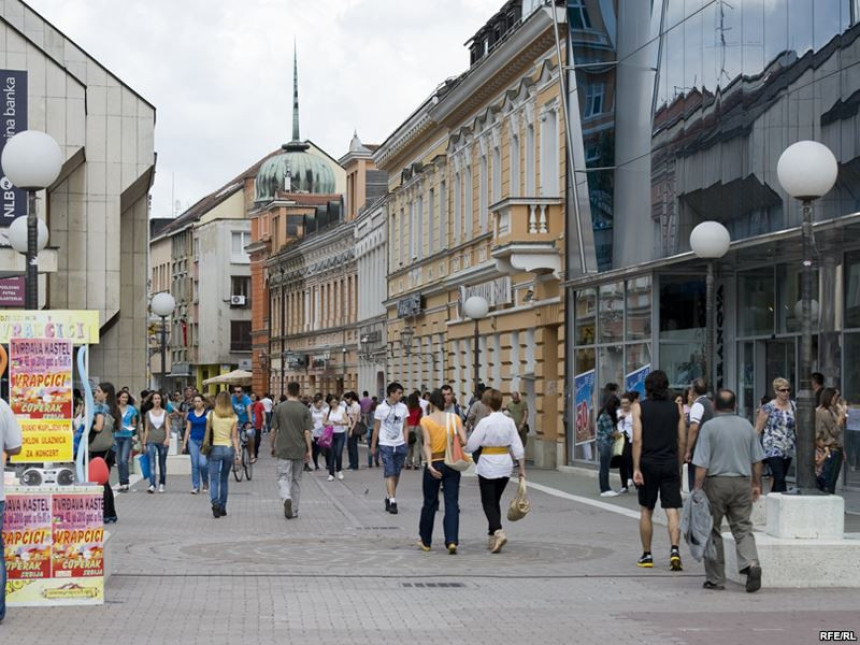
220,73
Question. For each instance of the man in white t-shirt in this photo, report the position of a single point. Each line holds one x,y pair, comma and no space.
268,406
389,435
10,442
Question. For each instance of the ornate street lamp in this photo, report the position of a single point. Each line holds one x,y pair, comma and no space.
162,305
32,161
807,170
476,308
710,241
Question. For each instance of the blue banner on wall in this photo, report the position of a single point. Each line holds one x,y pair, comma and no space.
13,85
583,407
635,381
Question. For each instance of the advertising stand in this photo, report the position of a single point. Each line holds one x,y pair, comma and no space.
53,528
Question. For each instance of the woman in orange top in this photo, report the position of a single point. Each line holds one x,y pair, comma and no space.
437,426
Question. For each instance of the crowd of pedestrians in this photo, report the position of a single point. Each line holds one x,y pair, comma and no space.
399,434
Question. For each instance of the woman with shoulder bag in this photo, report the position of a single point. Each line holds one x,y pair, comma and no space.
156,439
101,439
221,446
830,419
777,425
195,433
497,436
436,427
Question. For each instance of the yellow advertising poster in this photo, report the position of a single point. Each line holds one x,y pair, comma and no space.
45,440
54,547
79,327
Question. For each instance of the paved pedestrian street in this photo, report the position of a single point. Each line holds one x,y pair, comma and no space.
347,572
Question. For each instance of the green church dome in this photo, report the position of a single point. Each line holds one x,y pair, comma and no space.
307,173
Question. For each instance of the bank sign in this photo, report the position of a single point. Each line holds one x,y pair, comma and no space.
14,87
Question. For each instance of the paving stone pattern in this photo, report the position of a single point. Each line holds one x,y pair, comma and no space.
347,572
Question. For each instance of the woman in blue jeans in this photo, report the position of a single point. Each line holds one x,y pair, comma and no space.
607,433
195,432
124,436
222,436
157,440
436,427
337,418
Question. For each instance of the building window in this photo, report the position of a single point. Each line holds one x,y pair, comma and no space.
443,215
431,223
530,160
419,228
467,206
594,95
238,241
483,189
579,18
240,287
515,166
497,174
549,154
240,335
458,208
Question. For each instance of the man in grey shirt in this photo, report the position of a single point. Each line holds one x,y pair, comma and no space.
728,460
292,425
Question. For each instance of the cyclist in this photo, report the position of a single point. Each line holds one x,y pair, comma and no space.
242,407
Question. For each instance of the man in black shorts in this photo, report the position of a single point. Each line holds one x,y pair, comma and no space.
659,434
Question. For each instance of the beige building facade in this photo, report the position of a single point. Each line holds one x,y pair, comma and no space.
97,211
476,207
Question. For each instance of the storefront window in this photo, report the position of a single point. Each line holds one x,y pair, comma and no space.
682,308
638,366
586,316
851,393
639,309
852,291
611,326
788,286
611,367
755,303
682,328
585,391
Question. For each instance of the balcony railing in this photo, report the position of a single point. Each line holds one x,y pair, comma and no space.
525,233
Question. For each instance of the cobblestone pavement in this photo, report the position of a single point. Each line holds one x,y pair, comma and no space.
346,572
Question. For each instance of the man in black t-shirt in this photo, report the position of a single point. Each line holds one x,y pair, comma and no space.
659,435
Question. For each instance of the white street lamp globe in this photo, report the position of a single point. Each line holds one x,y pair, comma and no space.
813,309
710,240
807,170
17,234
476,307
163,304
32,160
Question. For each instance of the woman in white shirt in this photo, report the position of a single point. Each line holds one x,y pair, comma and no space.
500,445
318,411
625,427
337,419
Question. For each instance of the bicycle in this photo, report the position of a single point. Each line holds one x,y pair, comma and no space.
243,467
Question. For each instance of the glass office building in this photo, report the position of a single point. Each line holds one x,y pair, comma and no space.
679,111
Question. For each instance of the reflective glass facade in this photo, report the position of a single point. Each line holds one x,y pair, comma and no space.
686,105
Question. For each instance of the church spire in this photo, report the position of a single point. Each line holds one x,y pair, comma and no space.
295,93
296,143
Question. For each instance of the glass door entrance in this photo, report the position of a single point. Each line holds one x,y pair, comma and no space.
759,362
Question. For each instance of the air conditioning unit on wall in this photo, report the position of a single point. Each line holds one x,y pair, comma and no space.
237,301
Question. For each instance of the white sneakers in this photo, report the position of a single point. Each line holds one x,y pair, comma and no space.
609,493
151,489
340,474
161,488
331,478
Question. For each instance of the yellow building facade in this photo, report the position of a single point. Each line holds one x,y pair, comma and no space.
476,207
